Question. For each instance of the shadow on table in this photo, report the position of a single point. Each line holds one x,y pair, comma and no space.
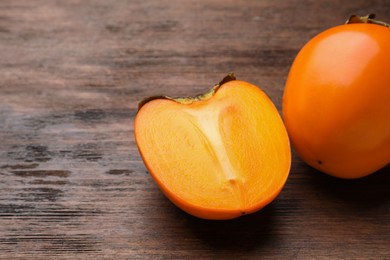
241,234
358,194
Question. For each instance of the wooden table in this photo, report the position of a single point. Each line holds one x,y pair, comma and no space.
72,182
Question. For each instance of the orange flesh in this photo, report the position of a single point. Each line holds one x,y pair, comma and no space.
217,158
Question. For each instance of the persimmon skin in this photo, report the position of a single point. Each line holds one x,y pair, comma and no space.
207,155
336,103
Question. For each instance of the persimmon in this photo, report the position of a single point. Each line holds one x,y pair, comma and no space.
336,103
219,155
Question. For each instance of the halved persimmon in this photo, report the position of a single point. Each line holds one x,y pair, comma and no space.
219,155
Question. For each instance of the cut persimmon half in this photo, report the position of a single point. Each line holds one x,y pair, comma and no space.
219,155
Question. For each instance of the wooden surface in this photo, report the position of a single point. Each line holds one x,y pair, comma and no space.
72,182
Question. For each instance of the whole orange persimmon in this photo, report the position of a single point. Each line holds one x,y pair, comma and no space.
336,104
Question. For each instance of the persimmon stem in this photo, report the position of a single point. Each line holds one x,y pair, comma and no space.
366,19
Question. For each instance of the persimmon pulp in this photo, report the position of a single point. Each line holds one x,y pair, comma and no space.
216,156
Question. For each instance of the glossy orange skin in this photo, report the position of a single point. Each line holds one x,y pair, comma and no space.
336,104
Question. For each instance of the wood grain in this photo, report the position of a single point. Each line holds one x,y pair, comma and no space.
73,185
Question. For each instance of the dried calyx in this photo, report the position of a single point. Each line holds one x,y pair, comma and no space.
189,100
365,19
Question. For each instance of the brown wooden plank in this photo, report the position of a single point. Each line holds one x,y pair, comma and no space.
72,182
